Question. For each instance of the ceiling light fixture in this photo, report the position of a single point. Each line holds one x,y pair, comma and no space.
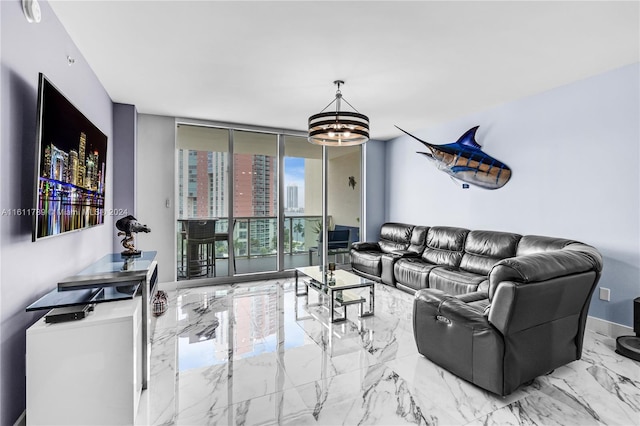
31,10
338,128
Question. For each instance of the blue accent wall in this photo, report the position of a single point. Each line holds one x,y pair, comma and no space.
574,152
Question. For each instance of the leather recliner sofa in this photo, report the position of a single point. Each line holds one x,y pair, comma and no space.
497,309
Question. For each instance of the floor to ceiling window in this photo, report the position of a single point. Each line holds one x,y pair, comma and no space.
251,201
303,200
203,201
255,200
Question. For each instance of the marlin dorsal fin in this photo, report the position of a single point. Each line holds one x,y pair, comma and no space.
469,138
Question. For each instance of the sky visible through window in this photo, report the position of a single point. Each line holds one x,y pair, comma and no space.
294,174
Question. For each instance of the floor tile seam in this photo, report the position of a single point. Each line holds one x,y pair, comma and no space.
347,401
334,376
160,341
559,383
162,338
267,394
488,414
618,369
418,393
584,363
400,358
165,329
291,380
303,411
527,393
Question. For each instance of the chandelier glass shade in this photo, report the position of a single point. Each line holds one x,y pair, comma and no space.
338,128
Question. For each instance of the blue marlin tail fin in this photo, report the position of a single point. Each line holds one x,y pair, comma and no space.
468,139
427,144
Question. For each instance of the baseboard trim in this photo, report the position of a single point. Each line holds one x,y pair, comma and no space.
22,420
608,328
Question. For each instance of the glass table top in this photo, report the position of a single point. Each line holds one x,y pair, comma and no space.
114,277
344,279
112,269
59,299
116,262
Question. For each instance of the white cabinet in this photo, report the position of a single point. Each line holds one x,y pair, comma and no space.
87,371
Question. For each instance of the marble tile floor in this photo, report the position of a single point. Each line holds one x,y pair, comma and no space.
256,354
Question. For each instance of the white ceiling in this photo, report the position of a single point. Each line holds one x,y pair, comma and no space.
413,64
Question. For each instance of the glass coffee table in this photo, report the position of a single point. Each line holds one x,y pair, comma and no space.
336,286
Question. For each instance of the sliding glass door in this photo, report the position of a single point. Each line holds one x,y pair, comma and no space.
344,186
255,201
302,201
203,202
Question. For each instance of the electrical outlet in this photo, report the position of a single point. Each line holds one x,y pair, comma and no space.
605,294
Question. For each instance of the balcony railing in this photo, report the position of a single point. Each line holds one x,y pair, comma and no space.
256,237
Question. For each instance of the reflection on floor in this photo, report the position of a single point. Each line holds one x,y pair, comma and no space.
236,354
258,264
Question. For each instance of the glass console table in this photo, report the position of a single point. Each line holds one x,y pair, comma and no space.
112,278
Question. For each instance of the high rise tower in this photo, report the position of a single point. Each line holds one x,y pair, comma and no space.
73,167
292,197
82,161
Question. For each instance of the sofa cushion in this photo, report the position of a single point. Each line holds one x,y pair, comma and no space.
395,236
412,272
368,262
418,239
445,245
483,249
455,281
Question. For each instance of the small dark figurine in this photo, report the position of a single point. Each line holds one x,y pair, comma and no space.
352,182
127,226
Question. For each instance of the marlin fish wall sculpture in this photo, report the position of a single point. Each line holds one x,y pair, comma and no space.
465,160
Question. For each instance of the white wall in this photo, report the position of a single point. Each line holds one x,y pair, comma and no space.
343,201
574,152
27,269
156,183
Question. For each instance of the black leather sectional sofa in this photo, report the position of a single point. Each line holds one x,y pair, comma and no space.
495,308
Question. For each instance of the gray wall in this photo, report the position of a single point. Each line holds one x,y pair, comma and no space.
574,152
374,171
28,269
125,119
156,183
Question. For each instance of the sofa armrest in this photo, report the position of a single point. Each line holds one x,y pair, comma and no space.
545,266
451,308
555,302
474,296
530,290
364,245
